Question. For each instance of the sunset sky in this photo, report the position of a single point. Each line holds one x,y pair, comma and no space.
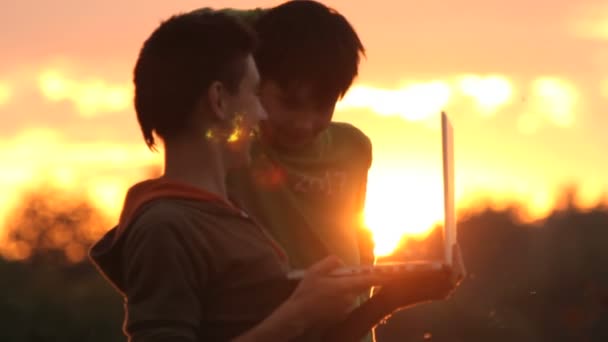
525,83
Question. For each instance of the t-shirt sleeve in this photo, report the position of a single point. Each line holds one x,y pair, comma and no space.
161,283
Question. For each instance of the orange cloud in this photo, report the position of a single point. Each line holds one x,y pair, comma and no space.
6,93
91,98
489,93
553,100
424,100
415,101
98,170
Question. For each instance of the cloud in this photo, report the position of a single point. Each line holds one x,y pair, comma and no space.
591,22
552,100
417,101
604,88
546,99
6,92
45,156
91,97
490,93
414,101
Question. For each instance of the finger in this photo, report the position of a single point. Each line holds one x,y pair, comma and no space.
326,265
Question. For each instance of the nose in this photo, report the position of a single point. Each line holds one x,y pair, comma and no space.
260,112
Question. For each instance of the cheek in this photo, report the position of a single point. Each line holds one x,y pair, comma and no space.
276,115
321,121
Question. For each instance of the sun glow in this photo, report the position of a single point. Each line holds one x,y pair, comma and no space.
402,203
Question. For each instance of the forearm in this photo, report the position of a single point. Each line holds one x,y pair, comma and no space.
284,324
359,323
161,332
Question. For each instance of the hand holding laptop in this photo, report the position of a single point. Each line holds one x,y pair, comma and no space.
406,289
405,284
401,291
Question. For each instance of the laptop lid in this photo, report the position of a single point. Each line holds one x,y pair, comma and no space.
448,188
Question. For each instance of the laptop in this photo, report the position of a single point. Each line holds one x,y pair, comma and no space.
449,233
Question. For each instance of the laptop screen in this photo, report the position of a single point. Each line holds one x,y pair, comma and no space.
448,187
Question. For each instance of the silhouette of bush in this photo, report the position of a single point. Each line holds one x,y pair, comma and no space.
54,294
541,281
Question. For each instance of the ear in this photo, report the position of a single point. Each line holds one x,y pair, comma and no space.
216,96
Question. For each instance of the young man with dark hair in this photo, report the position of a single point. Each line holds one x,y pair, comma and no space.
307,180
308,177
190,264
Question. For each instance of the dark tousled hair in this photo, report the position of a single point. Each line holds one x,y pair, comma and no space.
304,42
178,63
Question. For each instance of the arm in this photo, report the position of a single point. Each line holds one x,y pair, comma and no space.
319,301
359,323
160,284
398,295
284,324
162,295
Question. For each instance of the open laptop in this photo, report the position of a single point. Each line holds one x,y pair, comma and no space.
449,240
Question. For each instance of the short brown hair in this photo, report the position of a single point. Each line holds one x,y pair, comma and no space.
178,63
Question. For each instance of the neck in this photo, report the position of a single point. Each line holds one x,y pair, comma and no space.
267,138
196,162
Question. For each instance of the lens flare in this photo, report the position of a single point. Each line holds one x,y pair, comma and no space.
237,132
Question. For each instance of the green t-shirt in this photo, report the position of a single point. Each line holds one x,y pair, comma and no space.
311,200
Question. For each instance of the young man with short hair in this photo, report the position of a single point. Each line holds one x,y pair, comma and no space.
190,264
308,175
307,180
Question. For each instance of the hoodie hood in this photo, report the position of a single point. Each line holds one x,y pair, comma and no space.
106,253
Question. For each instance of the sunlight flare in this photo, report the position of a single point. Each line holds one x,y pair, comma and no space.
402,203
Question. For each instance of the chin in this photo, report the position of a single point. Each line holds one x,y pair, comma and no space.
291,144
238,160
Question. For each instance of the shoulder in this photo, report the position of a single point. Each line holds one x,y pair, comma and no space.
351,138
165,220
347,130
